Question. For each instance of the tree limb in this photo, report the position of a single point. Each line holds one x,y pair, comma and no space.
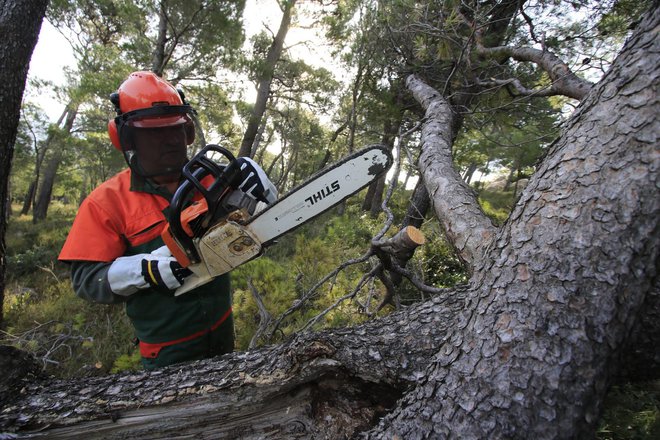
564,81
466,226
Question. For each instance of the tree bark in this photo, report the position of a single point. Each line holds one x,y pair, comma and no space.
20,24
554,302
226,395
265,80
564,81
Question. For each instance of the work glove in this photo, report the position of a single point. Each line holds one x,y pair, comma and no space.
255,182
158,270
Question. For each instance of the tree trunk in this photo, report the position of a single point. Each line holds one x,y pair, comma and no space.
374,197
467,176
50,173
553,303
466,226
20,23
526,350
265,80
29,197
377,199
159,61
419,206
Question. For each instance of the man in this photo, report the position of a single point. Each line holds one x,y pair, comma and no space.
115,248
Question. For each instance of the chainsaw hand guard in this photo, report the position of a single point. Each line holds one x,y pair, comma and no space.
224,178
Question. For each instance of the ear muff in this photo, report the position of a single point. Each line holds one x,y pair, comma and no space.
114,134
190,132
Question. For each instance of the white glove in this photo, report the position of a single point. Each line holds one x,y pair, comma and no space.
256,183
158,269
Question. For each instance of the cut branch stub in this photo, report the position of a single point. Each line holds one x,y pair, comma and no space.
402,245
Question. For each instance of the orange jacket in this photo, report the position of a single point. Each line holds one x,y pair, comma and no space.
99,234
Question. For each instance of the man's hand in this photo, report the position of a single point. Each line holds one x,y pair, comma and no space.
255,182
158,270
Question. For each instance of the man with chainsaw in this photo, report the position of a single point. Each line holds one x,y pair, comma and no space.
115,247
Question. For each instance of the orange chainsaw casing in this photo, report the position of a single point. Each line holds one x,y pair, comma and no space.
189,214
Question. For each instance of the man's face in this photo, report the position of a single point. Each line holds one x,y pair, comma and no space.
161,151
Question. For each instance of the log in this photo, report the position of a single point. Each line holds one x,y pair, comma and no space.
331,384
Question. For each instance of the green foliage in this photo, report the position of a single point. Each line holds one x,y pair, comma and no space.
69,335
619,19
127,362
496,204
273,283
632,412
30,247
441,267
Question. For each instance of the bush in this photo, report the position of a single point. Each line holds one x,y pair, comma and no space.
30,246
632,411
68,335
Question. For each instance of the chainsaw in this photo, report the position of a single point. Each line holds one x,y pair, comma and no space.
225,229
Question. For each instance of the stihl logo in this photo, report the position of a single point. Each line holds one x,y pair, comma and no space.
320,195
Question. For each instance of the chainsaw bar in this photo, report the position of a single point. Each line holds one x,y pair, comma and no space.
320,193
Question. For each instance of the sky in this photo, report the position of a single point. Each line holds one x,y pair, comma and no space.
51,55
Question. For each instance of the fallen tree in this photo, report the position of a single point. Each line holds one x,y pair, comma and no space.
526,350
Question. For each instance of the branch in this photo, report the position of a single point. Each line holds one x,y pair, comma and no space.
564,81
466,226
396,250
264,316
365,278
299,303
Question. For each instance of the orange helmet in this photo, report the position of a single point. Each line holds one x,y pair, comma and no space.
145,100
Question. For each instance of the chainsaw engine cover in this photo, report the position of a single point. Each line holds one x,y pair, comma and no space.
227,245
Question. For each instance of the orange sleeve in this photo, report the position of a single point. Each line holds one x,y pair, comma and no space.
94,235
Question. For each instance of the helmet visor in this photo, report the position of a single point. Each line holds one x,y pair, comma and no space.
154,117
158,122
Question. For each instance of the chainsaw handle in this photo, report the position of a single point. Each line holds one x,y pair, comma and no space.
202,161
225,177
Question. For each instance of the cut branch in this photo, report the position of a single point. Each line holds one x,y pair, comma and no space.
396,251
